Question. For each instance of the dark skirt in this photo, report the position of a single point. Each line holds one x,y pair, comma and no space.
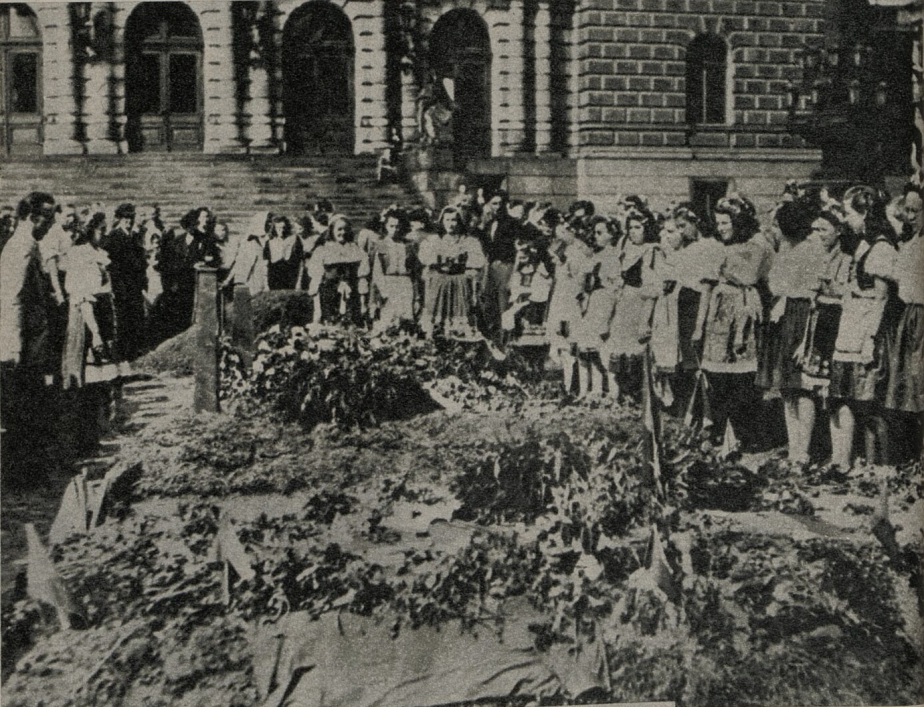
778,368
628,370
337,308
905,386
448,310
862,382
816,359
691,352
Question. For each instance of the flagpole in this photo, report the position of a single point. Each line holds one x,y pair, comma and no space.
651,421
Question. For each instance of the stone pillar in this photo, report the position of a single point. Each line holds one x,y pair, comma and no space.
543,49
409,94
370,76
117,115
96,110
59,104
205,318
258,110
219,103
243,334
98,98
508,119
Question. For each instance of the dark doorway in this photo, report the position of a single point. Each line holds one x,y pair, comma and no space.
317,65
704,195
163,78
460,51
20,81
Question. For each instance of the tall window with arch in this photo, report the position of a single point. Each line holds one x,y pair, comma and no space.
707,68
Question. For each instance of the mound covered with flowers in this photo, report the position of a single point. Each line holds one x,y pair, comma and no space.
375,493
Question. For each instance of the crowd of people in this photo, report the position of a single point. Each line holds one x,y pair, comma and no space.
817,303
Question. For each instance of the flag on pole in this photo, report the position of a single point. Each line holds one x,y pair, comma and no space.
42,581
230,550
72,514
651,419
660,568
730,442
882,527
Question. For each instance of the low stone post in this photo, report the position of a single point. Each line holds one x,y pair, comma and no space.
243,335
205,396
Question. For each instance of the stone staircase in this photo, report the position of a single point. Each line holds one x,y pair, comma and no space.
234,186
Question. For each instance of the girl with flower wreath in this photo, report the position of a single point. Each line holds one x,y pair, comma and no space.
807,282
629,326
394,268
904,397
674,292
601,284
571,258
731,311
339,276
453,265
865,336
285,255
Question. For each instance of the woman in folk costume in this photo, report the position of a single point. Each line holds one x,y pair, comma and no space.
904,396
673,311
530,286
807,282
453,269
339,276
792,221
729,324
285,255
394,267
90,307
600,281
859,373
249,267
571,258
691,270
630,318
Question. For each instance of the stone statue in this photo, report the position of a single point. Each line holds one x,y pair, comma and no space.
434,116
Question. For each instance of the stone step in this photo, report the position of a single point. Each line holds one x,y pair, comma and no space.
234,186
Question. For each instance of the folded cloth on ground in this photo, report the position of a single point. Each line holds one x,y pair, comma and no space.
346,660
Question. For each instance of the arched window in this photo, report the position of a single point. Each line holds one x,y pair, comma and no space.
460,59
317,80
20,80
706,73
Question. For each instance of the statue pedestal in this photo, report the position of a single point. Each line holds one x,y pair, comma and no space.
432,171
431,157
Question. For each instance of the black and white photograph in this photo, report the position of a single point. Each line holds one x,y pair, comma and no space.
457,353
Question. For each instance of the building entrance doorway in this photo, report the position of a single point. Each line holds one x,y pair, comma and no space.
460,59
163,78
317,65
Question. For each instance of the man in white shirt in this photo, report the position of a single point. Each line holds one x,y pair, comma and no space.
25,356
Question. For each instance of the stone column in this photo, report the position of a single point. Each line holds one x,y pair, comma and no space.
508,119
370,76
219,104
258,110
409,94
543,49
60,106
97,103
117,115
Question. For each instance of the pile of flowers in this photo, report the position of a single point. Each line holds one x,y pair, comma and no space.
354,377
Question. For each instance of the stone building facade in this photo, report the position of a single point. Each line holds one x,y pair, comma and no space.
562,97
